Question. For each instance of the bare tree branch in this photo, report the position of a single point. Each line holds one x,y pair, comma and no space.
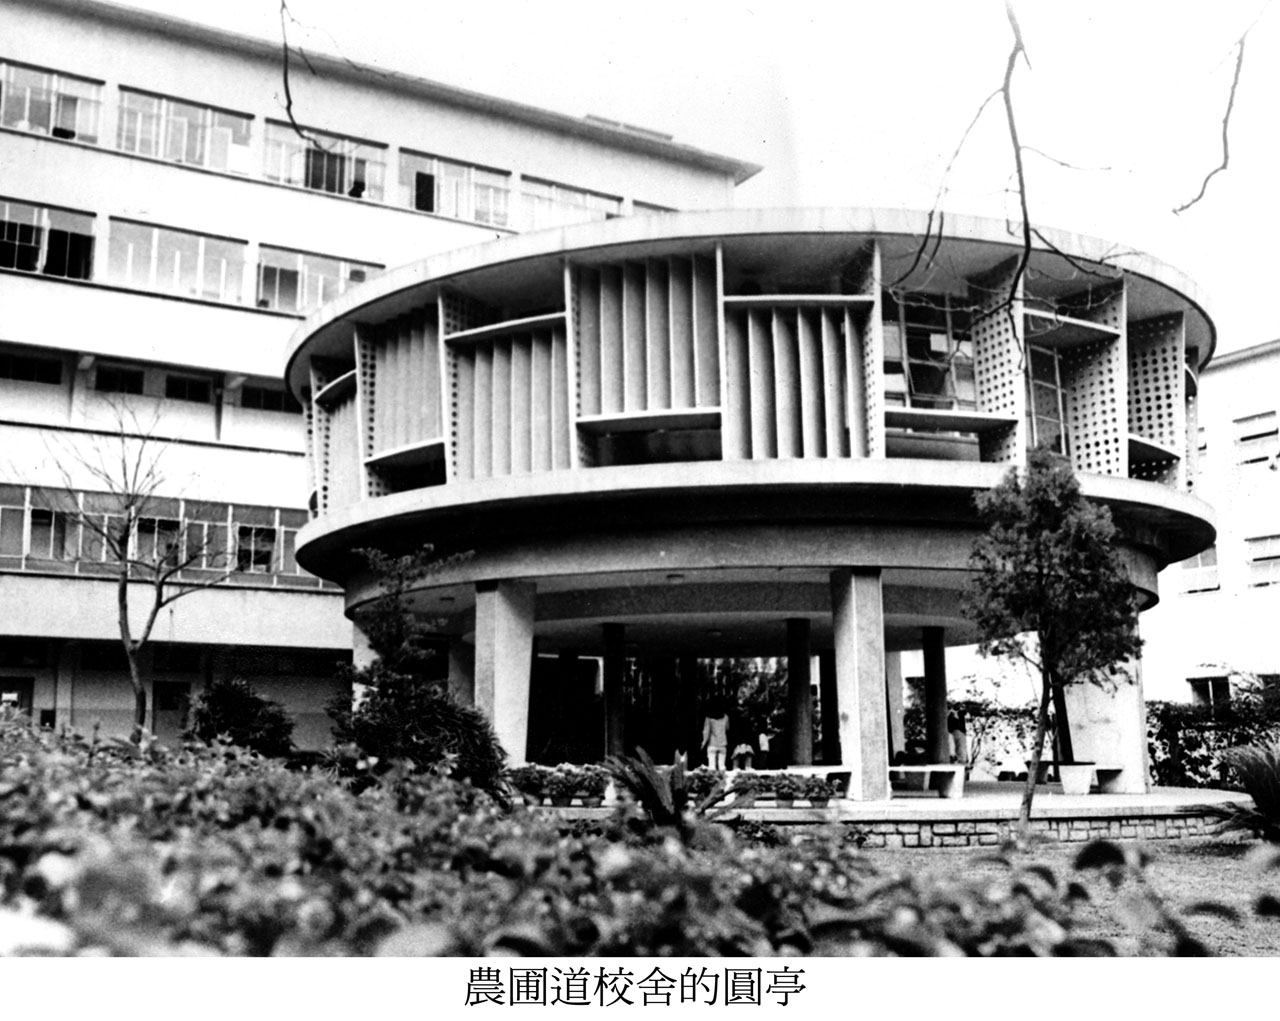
936,209
1054,159
1226,117
1006,91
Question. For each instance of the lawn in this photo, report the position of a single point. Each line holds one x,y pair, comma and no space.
1182,873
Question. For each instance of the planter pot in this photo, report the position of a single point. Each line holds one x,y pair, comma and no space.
1076,779
819,802
785,802
561,800
593,801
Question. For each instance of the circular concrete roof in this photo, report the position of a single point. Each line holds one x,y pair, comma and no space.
972,245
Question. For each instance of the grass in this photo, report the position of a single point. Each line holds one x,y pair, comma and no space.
1181,873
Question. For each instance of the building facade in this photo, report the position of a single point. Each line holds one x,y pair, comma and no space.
164,226
749,433
1232,583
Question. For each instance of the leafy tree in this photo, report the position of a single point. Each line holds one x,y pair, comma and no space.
1050,588
400,713
232,710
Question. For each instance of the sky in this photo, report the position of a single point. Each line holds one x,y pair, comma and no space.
864,104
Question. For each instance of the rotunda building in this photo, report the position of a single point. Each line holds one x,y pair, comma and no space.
741,433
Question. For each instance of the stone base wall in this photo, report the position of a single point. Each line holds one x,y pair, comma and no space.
990,833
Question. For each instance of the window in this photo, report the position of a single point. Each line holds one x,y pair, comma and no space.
38,239
297,281
928,354
554,205
13,514
205,526
187,388
115,379
158,541
176,262
30,368
263,398
433,185
256,549
290,522
53,535
1264,559
1210,691
1200,573
182,132
61,105
1256,438
324,162
1046,400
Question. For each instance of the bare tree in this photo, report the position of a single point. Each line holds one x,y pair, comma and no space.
125,526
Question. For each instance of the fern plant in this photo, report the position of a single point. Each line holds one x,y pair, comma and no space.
664,794
1258,770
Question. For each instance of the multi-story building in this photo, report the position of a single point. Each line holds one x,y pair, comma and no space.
1212,632
743,433
164,225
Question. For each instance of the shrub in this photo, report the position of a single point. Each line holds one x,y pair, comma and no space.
404,718
129,849
1188,744
231,710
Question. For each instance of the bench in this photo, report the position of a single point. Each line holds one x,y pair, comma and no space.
947,779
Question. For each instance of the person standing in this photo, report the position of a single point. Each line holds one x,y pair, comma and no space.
959,737
762,746
715,736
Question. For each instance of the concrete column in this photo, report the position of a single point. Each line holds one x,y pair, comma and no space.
799,695
689,706
937,742
504,661
664,733
68,663
615,662
462,671
893,690
830,707
1109,726
857,613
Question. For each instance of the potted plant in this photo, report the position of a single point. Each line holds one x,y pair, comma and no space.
562,786
530,781
818,790
592,784
786,789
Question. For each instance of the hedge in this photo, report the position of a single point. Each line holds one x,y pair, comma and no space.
131,850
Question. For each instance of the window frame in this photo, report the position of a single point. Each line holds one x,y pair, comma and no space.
304,270
60,96
167,114
163,274
954,329
48,224
288,158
